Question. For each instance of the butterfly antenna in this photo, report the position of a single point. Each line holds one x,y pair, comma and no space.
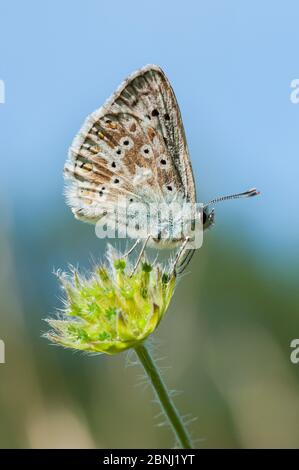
250,193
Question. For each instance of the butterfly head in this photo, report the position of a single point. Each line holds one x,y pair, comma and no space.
208,215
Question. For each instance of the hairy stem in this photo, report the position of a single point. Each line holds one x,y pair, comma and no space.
163,395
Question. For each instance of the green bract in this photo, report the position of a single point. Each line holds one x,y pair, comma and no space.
112,311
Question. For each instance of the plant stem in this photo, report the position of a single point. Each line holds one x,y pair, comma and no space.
163,395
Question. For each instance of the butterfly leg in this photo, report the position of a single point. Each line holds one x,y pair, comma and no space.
183,265
132,248
179,254
140,255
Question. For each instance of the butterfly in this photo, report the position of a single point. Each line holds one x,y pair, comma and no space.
133,150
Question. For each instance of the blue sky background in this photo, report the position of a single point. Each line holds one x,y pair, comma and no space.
231,64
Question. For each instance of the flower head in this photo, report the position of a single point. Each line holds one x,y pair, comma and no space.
112,310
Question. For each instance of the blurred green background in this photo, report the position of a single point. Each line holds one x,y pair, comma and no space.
225,341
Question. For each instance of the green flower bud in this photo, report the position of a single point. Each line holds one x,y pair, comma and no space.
111,310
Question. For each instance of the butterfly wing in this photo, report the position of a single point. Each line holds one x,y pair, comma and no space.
133,148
